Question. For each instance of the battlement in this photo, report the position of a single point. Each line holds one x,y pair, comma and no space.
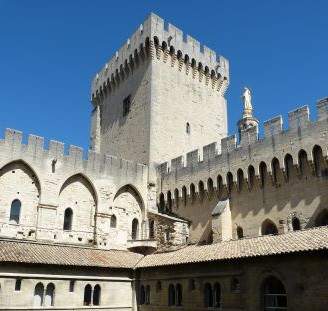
152,34
95,163
302,134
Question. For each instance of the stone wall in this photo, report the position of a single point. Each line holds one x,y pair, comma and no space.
116,288
301,275
47,182
291,184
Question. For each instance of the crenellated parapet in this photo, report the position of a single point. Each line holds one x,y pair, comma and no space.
298,140
152,39
95,164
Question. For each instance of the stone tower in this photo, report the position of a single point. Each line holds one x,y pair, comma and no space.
159,96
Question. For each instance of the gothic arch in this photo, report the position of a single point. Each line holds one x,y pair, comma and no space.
133,191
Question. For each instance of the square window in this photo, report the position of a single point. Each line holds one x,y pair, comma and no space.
126,105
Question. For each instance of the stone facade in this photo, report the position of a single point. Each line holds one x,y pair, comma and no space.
124,197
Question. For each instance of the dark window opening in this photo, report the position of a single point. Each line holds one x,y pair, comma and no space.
268,227
179,295
18,285
217,295
147,296
96,295
187,128
273,295
158,286
87,295
135,229
68,219
151,229
235,285
240,232
126,105
71,286
208,296
192,285
171,301
113,221
15,211
142,295
296,224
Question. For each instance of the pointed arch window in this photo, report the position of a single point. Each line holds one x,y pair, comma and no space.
268,227
15,210
288,166
151,229
184,195
251,176
273,295
176,198
263,173
68,219
210,188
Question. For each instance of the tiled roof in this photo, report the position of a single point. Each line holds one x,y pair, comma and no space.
291,242
36,253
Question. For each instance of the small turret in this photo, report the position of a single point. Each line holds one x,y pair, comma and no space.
247,121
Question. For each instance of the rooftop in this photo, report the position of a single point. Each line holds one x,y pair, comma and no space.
41,253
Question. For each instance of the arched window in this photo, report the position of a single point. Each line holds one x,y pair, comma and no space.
142,295
296,224
240,176
240,232
178,295
38,295
251,176
263,173
151,229
158,286
201,190
169,201
50,295
68,219
210,188
273,294
288,166
176,198
275,171
15,211
220,185
113,221
322,218
229,182
147,299
135,229
96,295
302,162
184,195
87,295
208,296
192,193
161,202
217,295
318,160
235,285
192,285
188,128
171,295
268,227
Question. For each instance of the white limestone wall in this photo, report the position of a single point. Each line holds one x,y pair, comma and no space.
49,181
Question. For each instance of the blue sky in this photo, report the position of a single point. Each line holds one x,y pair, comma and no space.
50,50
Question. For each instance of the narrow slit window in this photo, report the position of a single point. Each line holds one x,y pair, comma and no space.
126,105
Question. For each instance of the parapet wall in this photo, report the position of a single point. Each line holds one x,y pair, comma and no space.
95,164
153,29
197,165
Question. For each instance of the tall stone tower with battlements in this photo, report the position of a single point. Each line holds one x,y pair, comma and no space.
159,96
